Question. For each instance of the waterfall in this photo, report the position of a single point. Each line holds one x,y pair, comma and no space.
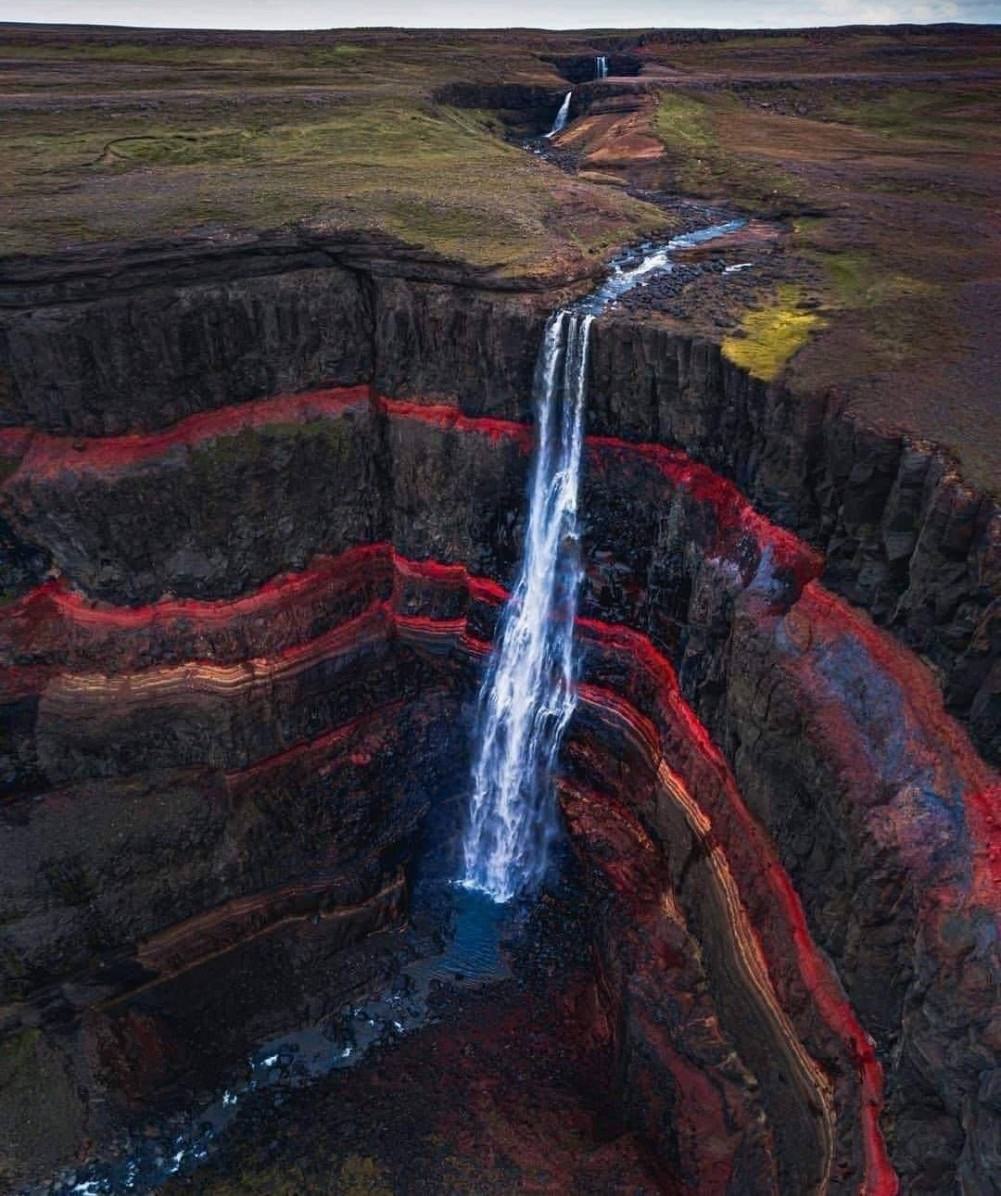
560,123
527,696
601,67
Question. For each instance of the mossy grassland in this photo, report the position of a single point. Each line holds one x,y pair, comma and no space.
889,187
426,174
693,128
877,150
340,136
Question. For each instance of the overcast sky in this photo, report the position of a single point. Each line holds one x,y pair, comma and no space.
552,14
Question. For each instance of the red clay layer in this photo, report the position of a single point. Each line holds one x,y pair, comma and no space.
739,835
750,841
381,618
734,514
53,623
46,456
58,629
65,631
442,415
59,617
711,1124
223,928
311,750
817,623
43,456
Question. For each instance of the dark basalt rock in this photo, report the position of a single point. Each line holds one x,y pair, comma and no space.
22,566
438,343
902,535
663,1014
119,896
525,109
188,349
773,671
185,775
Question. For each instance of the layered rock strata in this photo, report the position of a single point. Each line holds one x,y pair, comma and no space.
844,814
102,342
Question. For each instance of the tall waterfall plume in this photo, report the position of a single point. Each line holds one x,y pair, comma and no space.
601,67
560,122
527,696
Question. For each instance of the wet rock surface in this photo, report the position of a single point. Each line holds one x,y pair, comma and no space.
502,1081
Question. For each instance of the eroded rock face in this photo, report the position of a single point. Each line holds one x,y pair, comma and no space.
437,614
902,536
698,571
170,334
119,894
252,669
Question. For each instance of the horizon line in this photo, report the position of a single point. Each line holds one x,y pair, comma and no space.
593,29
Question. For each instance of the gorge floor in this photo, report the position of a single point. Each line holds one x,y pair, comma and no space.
482,1064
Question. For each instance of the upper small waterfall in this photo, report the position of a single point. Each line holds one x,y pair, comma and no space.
560,123
527,696
601,67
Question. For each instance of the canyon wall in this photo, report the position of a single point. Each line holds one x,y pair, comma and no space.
246,678
97,348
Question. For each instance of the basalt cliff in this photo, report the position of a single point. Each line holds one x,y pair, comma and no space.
260,524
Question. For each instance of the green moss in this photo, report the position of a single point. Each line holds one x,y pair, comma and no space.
8,467
246,452
770,336
903,112
69,881
695,134
357,1175
898,306
374,155
361,1176
684,124
858,280
333,55
266,1181
181,149
232,57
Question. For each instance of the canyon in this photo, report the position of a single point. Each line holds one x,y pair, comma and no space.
263,502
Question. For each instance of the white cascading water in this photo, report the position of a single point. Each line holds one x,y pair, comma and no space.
601,67
560,123
528,695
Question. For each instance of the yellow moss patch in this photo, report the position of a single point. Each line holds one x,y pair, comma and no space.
770,336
